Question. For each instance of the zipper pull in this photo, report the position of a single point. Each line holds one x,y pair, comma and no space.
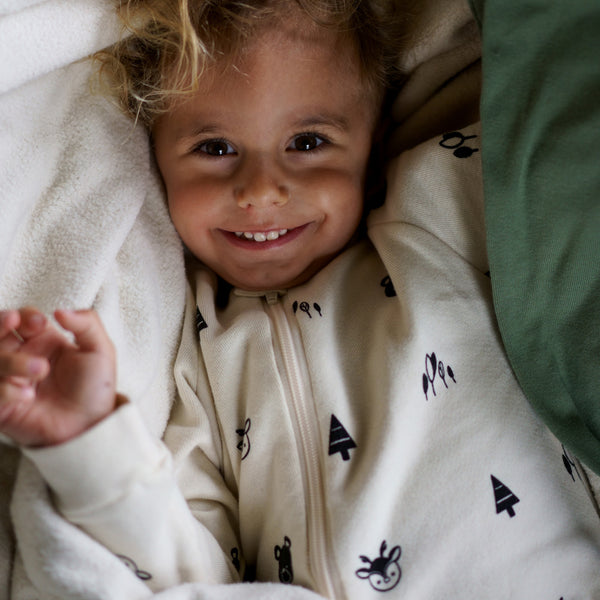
272,297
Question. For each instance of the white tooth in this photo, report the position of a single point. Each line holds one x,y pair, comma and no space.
261,236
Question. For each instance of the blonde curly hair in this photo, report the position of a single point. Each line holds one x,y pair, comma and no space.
168,44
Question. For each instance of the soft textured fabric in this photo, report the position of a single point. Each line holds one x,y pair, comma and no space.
358,434
83,222
38,37
442,64
540,124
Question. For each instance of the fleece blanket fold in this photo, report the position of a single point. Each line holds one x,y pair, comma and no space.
83,223
40,36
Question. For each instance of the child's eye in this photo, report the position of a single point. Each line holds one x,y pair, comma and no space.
215,148
305,142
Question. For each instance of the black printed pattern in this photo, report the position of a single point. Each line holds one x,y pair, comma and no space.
504,497
570,465
244,443
143,575
305,307
388,286
200,322
283,555
383,572
436,370
455,141
339,439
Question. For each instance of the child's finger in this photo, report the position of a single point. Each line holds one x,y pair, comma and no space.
9,321
22,324
85,325
32,323
15,402
13,392
20,365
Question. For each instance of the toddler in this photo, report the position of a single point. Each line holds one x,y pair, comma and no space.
347,420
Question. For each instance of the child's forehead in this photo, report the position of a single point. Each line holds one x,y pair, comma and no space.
323,55
302,33
284,74
305,45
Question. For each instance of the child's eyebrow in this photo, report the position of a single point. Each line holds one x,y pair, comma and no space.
185,135
196,131
324,119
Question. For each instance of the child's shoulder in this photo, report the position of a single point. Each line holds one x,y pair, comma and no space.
437,186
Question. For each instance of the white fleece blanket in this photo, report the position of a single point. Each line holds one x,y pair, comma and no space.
83,223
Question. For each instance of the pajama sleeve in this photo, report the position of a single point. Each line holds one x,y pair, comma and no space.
118,484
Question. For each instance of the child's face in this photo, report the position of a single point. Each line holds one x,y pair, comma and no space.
264,166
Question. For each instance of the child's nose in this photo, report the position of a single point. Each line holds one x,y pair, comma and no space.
261,186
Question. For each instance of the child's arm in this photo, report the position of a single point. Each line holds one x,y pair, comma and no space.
116,482
107,473
51,388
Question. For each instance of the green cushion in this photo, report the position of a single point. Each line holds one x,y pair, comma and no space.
540,113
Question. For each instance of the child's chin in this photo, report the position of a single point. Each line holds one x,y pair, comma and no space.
264,283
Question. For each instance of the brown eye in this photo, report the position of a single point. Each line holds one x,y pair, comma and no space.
305,142
215,148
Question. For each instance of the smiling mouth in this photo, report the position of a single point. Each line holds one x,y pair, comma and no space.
262,236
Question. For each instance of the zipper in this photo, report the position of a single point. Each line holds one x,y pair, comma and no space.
301,402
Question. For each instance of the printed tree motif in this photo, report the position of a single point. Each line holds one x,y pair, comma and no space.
339,439
200,322
305,308
570,465
435,369
505,499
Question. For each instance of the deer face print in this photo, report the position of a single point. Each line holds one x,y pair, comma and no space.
384,571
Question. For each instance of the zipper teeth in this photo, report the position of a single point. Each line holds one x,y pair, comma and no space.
320,561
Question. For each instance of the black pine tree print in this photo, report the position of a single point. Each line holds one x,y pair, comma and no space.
200,322
505,499
339,439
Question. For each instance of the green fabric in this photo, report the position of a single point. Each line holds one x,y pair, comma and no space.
540,113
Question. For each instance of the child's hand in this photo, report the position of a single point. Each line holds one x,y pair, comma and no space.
53,389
